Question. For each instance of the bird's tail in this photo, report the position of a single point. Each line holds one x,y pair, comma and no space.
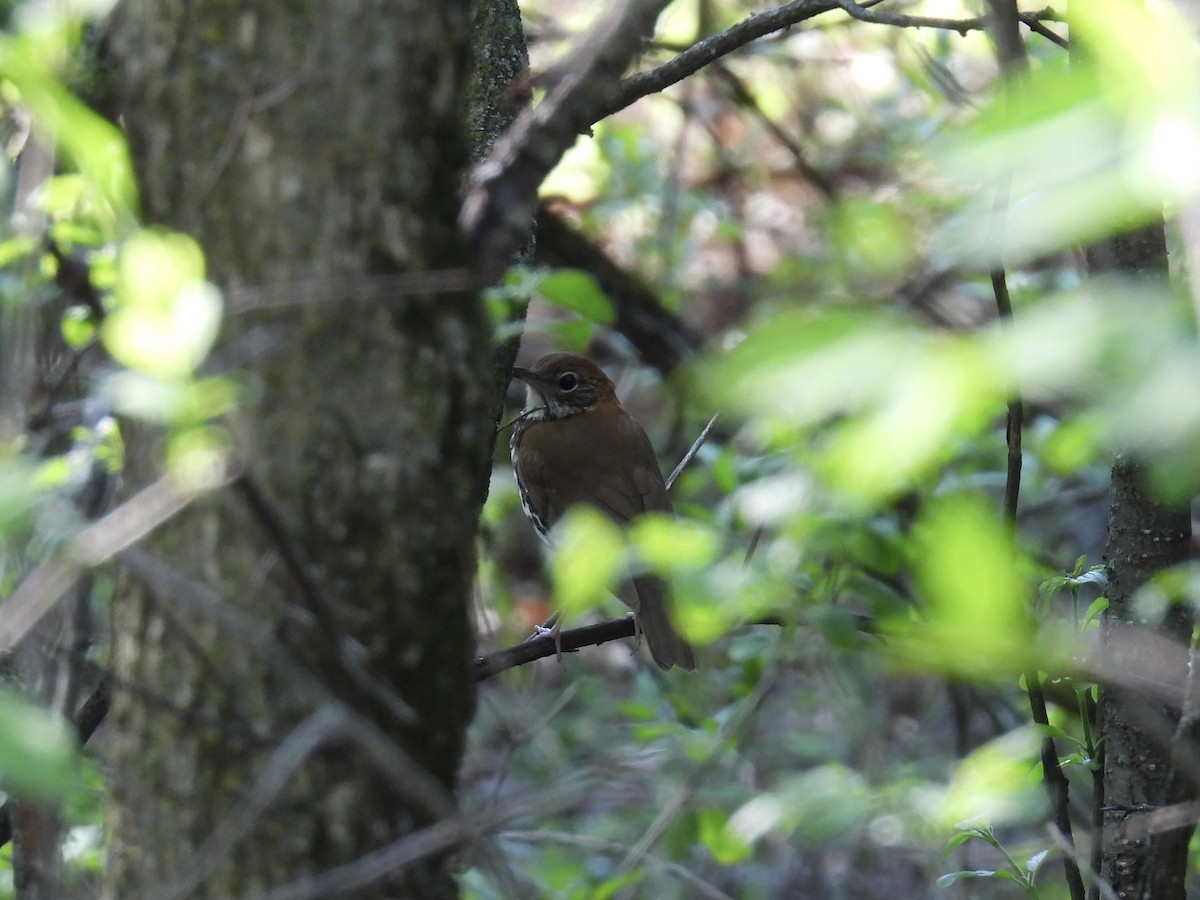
667,646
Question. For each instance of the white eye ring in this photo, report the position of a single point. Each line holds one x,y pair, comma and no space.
567,382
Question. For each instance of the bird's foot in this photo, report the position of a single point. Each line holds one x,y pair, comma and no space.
551,628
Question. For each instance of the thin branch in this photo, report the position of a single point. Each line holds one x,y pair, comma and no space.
899,20
702,53
544,646
1011,52
709,50
692,451
346,668
434,839
411,782
1033,21
101,540
743,96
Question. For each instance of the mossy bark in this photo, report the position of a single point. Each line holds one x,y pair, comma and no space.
303,144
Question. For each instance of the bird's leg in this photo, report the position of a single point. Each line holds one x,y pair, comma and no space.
553,628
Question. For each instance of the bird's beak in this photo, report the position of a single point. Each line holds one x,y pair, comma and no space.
522,374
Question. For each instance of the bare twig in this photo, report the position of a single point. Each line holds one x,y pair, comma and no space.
96,543
436,838
544,646
321,606
692,451
319,728
410,781
899,20
707,51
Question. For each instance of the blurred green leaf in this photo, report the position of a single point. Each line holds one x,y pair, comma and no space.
589,553
577,291
94,145
20,490
721,838
970,576
671,545
1092,145
167,316
992,784
37,750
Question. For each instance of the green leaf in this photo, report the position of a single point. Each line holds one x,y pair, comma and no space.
950,878
167,315
577,291
674,545
1097,606
724,838
1035,862
37,750
589,553
95,145
970,575
610,887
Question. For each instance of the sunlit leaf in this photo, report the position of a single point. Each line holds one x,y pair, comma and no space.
589,552
993,783
673,545
94,145
577,291
728,838
1083,148
167,316
971,579
20,489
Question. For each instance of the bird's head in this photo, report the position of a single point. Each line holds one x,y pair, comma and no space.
564,384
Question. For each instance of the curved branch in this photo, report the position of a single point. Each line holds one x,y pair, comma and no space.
709,50
701,53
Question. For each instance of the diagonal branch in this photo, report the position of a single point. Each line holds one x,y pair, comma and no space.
503,195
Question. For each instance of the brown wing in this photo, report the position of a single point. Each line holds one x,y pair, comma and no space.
601,457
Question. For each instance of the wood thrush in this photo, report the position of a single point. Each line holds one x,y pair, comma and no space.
574,443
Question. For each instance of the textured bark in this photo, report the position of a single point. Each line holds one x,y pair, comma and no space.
1139,735
300,141
1144,538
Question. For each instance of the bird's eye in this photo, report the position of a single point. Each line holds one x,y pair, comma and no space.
568,381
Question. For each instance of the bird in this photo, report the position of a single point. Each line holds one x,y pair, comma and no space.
574,443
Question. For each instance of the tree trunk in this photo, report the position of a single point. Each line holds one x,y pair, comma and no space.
1139,736
306,144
